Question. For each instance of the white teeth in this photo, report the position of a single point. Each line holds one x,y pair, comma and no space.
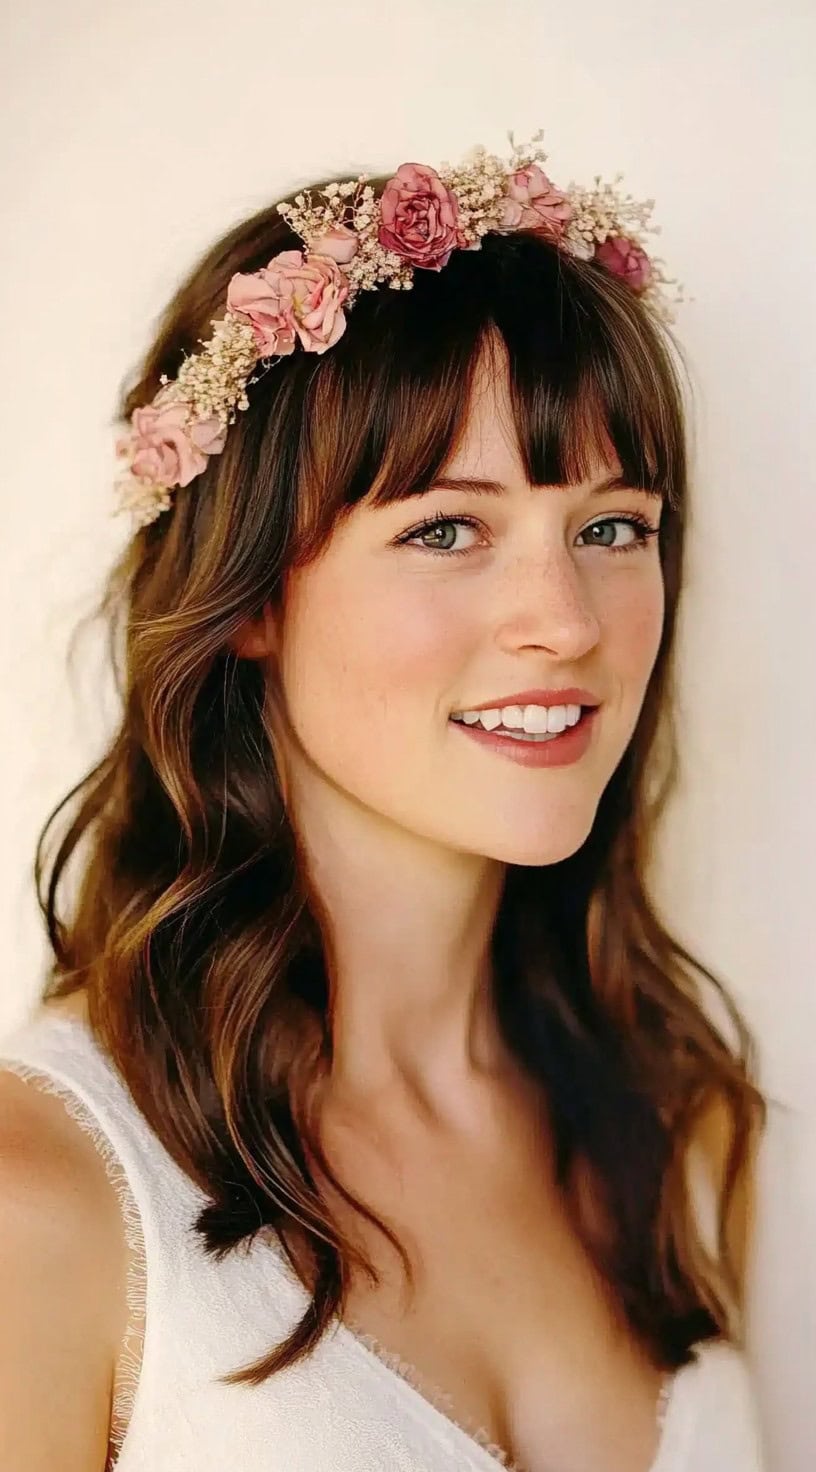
513,717
546,718
532,719
537,718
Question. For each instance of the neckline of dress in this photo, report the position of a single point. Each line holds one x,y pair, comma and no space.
432,1397
428,1399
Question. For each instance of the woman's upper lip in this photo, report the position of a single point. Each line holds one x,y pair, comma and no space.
571,695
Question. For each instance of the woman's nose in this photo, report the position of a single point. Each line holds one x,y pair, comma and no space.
547,601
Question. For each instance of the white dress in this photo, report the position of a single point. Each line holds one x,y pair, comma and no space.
350,1407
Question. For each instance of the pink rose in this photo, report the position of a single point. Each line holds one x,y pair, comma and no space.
295,295
533,202
340,243
164,448
625,259
419,217
208,435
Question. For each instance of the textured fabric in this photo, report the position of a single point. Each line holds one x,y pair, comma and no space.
350,1407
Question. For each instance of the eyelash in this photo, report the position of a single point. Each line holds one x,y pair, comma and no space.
643,528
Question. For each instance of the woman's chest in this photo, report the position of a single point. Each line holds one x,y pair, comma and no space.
508,1326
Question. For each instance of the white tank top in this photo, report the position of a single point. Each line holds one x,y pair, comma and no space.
351,1406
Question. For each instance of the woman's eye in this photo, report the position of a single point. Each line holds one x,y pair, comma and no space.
437,531
643,531
438,534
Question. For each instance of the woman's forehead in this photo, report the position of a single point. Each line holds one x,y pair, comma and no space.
488,446
489,430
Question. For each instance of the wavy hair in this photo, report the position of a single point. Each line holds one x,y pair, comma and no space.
195,932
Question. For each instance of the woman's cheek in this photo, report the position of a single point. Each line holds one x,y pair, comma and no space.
632,620
375,652
416,643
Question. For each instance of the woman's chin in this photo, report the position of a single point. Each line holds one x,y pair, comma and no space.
550,843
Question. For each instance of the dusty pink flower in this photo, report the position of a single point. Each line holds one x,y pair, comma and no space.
533,202
208,435
164,448
625,259
341,243
296,295
420,217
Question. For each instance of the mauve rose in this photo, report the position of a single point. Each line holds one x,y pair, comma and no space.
164,449
419,218
294,295
340,243
625,259
533,202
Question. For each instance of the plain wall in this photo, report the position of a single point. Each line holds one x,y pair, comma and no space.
134,134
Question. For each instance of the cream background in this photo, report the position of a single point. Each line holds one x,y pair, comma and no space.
133,134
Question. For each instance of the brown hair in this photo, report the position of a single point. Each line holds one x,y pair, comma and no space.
195,932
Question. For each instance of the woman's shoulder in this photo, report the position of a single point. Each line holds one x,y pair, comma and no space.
51,1172
62,1254
56,1182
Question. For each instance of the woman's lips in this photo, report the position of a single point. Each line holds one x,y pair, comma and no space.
561,751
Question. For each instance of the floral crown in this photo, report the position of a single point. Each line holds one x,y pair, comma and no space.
353,243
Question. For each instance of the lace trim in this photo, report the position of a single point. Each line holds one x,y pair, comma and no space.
129,1361
443,1401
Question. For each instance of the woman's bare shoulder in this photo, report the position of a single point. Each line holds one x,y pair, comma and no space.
62,1286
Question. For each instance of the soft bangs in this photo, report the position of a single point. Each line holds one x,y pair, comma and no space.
590,376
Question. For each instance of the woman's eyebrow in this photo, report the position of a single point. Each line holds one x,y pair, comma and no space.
477,486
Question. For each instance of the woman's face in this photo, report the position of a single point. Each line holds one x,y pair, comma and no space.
383,638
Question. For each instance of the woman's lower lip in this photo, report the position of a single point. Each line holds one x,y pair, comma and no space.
566,748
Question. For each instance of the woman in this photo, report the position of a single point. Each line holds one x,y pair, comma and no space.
383,1122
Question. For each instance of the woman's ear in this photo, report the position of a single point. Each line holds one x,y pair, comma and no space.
257,638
